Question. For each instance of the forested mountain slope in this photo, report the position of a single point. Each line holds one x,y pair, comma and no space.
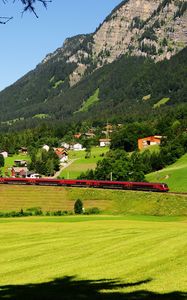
129,65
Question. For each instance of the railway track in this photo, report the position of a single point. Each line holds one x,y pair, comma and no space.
177,193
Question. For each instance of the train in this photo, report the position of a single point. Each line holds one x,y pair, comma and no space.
125,185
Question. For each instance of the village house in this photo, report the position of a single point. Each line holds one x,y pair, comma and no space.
77,135
19,172
62,154
46,147
149,141
104,142
89,135
4,154
76,147
23,150
65,145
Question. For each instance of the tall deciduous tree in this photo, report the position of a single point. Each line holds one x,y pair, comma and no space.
28,5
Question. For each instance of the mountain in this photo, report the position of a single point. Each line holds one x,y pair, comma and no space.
133,61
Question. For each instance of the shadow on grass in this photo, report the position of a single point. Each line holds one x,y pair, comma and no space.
69,288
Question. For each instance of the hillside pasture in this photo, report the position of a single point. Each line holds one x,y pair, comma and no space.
174,175
81,164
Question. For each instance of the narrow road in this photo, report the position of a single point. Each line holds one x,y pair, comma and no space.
64,166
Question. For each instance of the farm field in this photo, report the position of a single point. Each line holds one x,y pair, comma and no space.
51,198
175,175
98,258
80,164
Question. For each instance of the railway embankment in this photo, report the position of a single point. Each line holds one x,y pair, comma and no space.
116,202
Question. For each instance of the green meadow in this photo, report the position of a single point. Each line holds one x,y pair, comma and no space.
174,175
81,164
52,198
93,258
92,100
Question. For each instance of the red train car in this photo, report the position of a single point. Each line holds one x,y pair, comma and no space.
126,185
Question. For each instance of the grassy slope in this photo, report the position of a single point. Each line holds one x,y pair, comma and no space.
81,164
141,256
90,102
109,201
175,175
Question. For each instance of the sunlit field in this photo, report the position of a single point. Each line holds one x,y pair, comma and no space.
93,258
175,175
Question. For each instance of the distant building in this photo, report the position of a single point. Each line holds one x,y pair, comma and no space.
23,150
77,147
60,151
149,141
46,147
62,154
19,172
89,135
77,135
4,154
65,145
104,142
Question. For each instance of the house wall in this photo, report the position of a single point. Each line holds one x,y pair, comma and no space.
147,141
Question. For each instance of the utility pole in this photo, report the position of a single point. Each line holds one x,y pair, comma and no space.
110,176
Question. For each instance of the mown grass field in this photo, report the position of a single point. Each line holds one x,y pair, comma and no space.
175,175
50,198
98,258
82,164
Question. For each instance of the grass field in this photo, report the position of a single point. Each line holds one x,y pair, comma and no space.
175,175
99,258
81,164
15,197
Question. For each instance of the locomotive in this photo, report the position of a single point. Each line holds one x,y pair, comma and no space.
125,185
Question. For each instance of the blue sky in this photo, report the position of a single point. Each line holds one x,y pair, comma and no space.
26,40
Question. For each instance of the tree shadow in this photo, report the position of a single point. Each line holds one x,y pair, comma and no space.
69,288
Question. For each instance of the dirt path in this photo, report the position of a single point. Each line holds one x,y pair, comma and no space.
64,166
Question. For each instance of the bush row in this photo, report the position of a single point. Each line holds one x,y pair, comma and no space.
39,212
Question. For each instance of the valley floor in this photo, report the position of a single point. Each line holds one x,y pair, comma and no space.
95,258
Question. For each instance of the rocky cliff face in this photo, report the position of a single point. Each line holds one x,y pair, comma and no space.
154,28
143,27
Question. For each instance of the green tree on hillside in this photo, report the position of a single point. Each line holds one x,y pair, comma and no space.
78,207
2,160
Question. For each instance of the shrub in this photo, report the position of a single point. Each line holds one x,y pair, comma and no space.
35,211
78,207
92,211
